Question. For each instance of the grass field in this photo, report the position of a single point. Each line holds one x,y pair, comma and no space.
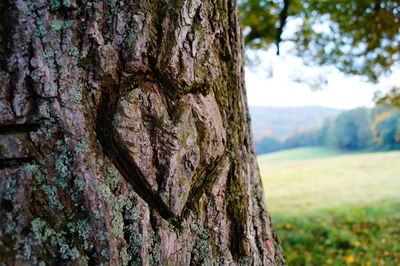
332,208
298,154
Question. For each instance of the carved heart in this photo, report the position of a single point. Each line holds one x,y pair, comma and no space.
170,146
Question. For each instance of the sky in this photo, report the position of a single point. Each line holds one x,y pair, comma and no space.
270,83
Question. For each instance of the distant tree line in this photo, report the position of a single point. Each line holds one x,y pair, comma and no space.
357,129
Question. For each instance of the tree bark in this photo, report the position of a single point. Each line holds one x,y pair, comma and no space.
125,137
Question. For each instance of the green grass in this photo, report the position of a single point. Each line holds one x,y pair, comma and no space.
298,154
331,209
352,235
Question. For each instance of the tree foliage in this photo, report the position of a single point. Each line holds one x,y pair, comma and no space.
359,37
268,144
357,129
350,130
386,128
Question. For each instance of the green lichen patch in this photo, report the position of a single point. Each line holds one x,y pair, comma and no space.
105,193
34,169
202,250
63,162
199,230
52,196
67,252
105,252
124,255
55,5
43,243
112,177
96,214
117,225
60,25
39,232
79,185
44,110
9,189
81,147
76,97
74,52
134,238
155,255
82,228
242,261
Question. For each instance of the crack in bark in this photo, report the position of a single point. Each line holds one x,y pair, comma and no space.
19,159
15,162
15,128
210,175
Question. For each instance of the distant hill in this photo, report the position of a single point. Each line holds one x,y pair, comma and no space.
283,121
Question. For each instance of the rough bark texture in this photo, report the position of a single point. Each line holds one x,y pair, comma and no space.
125,138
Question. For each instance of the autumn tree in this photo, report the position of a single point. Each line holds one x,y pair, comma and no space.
358,37
125,137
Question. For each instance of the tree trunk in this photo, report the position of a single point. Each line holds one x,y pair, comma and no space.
125,138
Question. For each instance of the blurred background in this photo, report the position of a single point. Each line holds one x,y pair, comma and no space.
322,82
332,182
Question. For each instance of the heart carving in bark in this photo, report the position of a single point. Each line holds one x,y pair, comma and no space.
170,145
